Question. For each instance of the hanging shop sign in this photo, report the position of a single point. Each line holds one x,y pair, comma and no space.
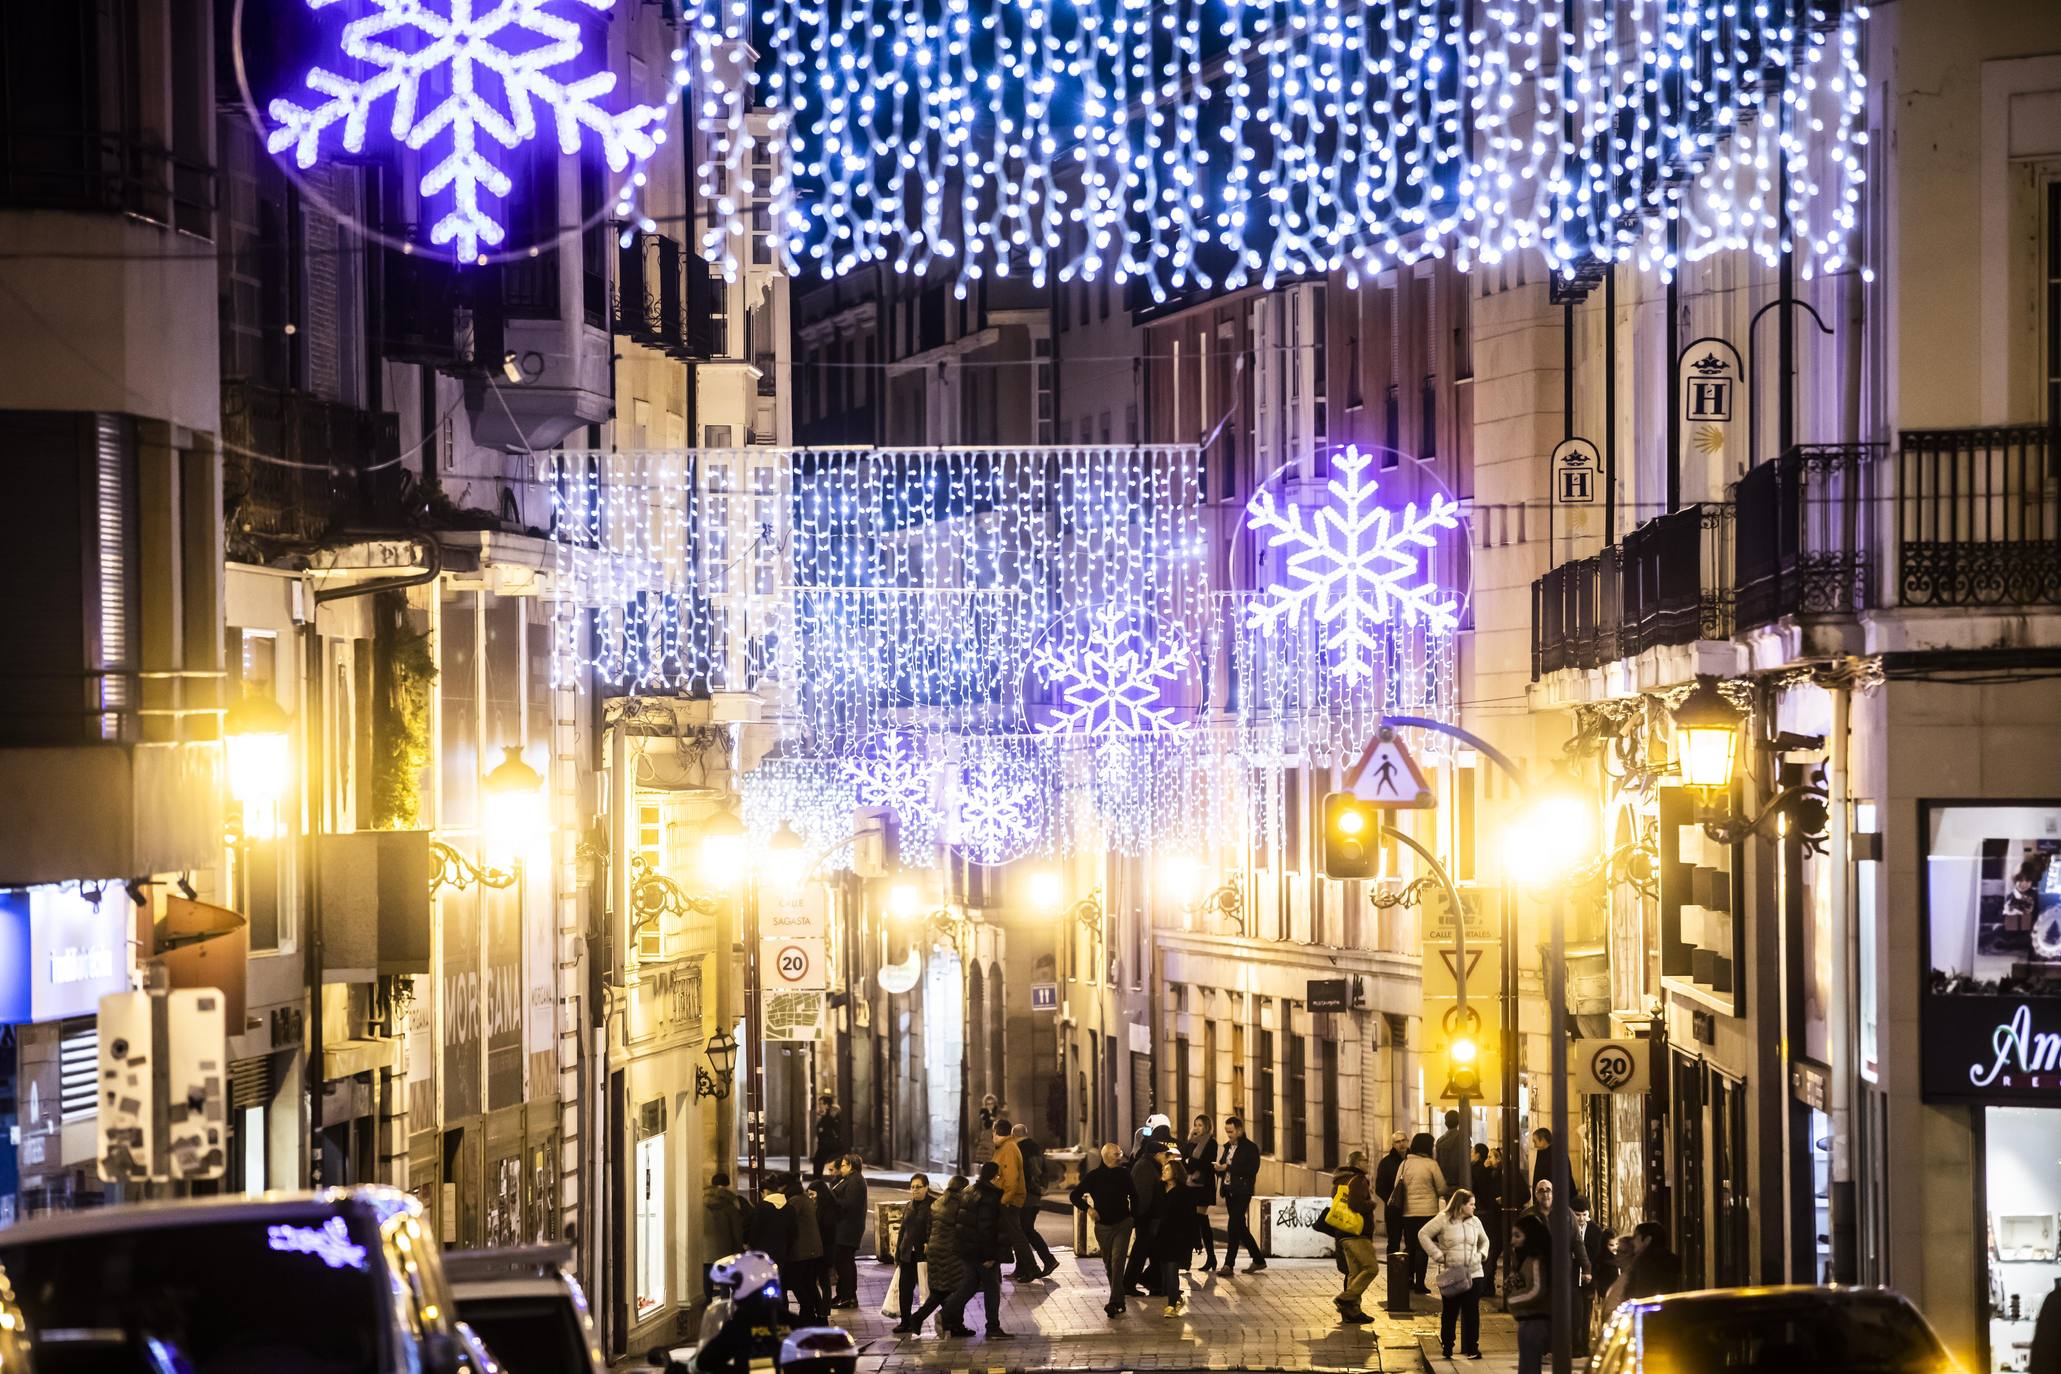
1980,1048
1707,375
62,949
1577,473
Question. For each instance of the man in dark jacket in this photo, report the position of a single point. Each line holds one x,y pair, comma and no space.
848,1186
829,1135
941,1252
773,1228
983,1243
725,1218
1384,1187
912,1242
1146,1188
1598,1270
1109,1197
1238,1166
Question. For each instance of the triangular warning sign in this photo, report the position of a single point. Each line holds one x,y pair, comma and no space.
1387,776
1473,962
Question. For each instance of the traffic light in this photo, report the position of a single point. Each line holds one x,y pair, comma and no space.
1352,837
1463,1077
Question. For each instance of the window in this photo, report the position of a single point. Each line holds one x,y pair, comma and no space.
1209,1069
1354,384
1327,1086
651,1208
761,234
1298,1143
1427,420
1391,424
1042,350
1238,1102
1181,1114
2053,415
1263,1086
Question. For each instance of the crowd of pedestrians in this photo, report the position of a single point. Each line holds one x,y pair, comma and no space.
1437,1204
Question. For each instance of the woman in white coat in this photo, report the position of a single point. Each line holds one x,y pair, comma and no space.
1456,1247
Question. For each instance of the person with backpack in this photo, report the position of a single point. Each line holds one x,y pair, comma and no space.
1350,1220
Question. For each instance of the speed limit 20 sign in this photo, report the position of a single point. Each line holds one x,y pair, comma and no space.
794,964
1612,1066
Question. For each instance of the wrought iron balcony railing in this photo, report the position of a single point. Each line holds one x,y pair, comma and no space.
1668,584
1801,533
1978,517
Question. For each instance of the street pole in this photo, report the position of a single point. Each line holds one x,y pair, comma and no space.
754,1044
1563,1271
1445,882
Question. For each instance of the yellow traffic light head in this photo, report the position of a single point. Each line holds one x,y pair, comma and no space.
1463,1051
1352,831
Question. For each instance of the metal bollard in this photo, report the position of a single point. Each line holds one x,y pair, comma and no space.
1399,1282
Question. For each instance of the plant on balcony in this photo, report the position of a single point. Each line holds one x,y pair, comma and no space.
406,671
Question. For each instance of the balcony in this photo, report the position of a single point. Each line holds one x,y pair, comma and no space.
1669,584
95,171
1802,544
648,288
1676,582
294,467
1978,517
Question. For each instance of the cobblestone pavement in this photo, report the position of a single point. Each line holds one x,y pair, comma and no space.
1280,1319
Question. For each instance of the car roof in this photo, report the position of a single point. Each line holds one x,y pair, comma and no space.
1782,1294
137,1216
512,1271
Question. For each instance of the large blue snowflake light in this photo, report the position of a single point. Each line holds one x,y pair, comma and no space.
1355,566
995,812
1115,679
464,80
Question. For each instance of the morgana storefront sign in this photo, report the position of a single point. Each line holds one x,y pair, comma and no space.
1993,1049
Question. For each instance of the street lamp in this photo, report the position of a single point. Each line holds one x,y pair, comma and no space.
725,862
1707,737
259,761
515,824
1707,755
722,1057
1553,839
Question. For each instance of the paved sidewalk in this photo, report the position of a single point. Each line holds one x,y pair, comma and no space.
1279,1320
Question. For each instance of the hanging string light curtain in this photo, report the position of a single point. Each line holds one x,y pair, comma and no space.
1014,650
1218,142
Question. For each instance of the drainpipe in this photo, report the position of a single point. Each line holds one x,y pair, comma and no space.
313,772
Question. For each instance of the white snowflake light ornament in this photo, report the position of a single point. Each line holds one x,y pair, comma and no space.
482,67
1354,565
995,816
1115,680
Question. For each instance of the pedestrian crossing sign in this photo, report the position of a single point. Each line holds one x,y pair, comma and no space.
1386,775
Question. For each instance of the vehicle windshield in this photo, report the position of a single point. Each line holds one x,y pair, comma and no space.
1842,1336
528,1335
262,1296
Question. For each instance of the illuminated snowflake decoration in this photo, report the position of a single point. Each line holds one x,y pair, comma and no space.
995,811
1115,679
893,771
1354,566
482,68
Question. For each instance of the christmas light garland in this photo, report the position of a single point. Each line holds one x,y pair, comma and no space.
1016,651
1182,143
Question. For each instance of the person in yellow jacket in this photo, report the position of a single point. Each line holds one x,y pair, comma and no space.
1008,1160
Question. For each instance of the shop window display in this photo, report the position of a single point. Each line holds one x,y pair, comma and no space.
2022,1176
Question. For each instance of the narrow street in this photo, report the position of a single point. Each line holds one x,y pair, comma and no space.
1280,1319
